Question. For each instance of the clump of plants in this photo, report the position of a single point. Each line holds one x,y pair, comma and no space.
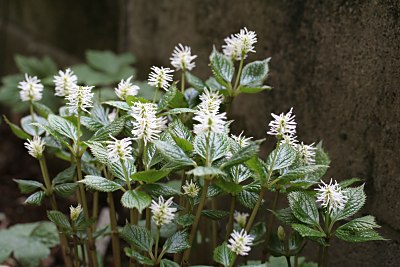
171,159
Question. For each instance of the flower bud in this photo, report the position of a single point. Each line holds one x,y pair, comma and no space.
281,233
75,212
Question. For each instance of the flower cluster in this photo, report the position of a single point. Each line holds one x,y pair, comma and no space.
208,115
306,153
160,77
65,82
126,88
241,140
240,44
331,196
240,218
284,127
147,125
240,242
35,147
31,89
74,212
182,58
162,211
190,189
119,149
80,98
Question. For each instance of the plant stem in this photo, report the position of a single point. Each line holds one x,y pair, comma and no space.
214,230
157,239
83,254
233,260
238,76
193,231
95,210
229,227
76,262
255,210
183,82
325,255
271,218
155,95
289,264
148,219
296,260
33,116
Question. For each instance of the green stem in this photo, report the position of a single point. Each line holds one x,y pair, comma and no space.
255,210
148,219
183,82
238,76
271,218
33,116
95,210
114,229
289,264
155,95
214,230
76,262
325,255
83,254
296,260
233,260
229,227
157,239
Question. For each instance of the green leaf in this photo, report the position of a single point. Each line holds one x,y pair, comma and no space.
100,183
258,167
138,236
178,129
137,256
185,220
52,132
177,242
218,145
157,190
99,152
28,186
215,214
355,200
195,82
118,104
359,224
63,126
303,207
65,190
255,72
176,111
134,199
28,126
229,187
286,155
118,171
150,176
286,216
42,109
321,157
244,154
254,89
35,66
302,171
205,171
173,153
59,219
222,67
16,129
65,176
113,129
108,61
248,198
168,263
358,236
306,231
348,182
223,255
36,198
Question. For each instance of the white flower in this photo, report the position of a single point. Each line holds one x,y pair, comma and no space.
331,196
306,153
207,114
240,242
112,115
126,88
64,82
162,211
241,140
31,89
160,77
75,212
35,147
147,125
182,58
190,189
239,44
119,149
283,125
240,218
80,98
290,140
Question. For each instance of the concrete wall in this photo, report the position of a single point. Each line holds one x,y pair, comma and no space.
336,62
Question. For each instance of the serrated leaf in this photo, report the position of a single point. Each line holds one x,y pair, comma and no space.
247,198
205,171
285,156
255,72
176,111
28,186
178,129
150,176
42,109
100,183
173,153
254,89
358,236
36,198
113,129
360,224
302,171
215,214
229,187
157,190
218,145
256,165
195,82
133,199
16,129
306,231
222,67
138,236
177,242
168,263
59,219
223,255
65,176
321,157
242,155
28,126
63,126
118,104
355,200
185,220
52,132
118,171
138,257
348,182
304,207
286,216
99,152
65,190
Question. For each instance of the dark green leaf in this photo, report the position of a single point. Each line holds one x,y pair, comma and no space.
137,256
100,183
65,176
355,200
177,242
138,236
173,153
185,220
214,214
113,129
196,82
16,129
222,67
28,186
254,89
150,176
255,72
157,190
229,187
59,219
36,198
248,198
306,231
134,199
168,263
358,236
223,255
304,207
348,182
42,109
63,126
205,171
65,190
242,155
218,145
285,156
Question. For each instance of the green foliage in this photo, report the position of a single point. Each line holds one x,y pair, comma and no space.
304,208
176,243
134,199
223,255
100,183
222,67
137,236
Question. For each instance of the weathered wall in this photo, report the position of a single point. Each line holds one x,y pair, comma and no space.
336,62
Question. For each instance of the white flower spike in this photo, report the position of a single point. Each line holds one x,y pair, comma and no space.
35,147
240,44
190,189
241,140
74,212
331,196
80,98
160,77
162,211
31,89
126,88
306,153
240,242
283,125
65,82
240,218
119,149
147,125
182,58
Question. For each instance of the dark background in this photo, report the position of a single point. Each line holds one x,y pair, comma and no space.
336,62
